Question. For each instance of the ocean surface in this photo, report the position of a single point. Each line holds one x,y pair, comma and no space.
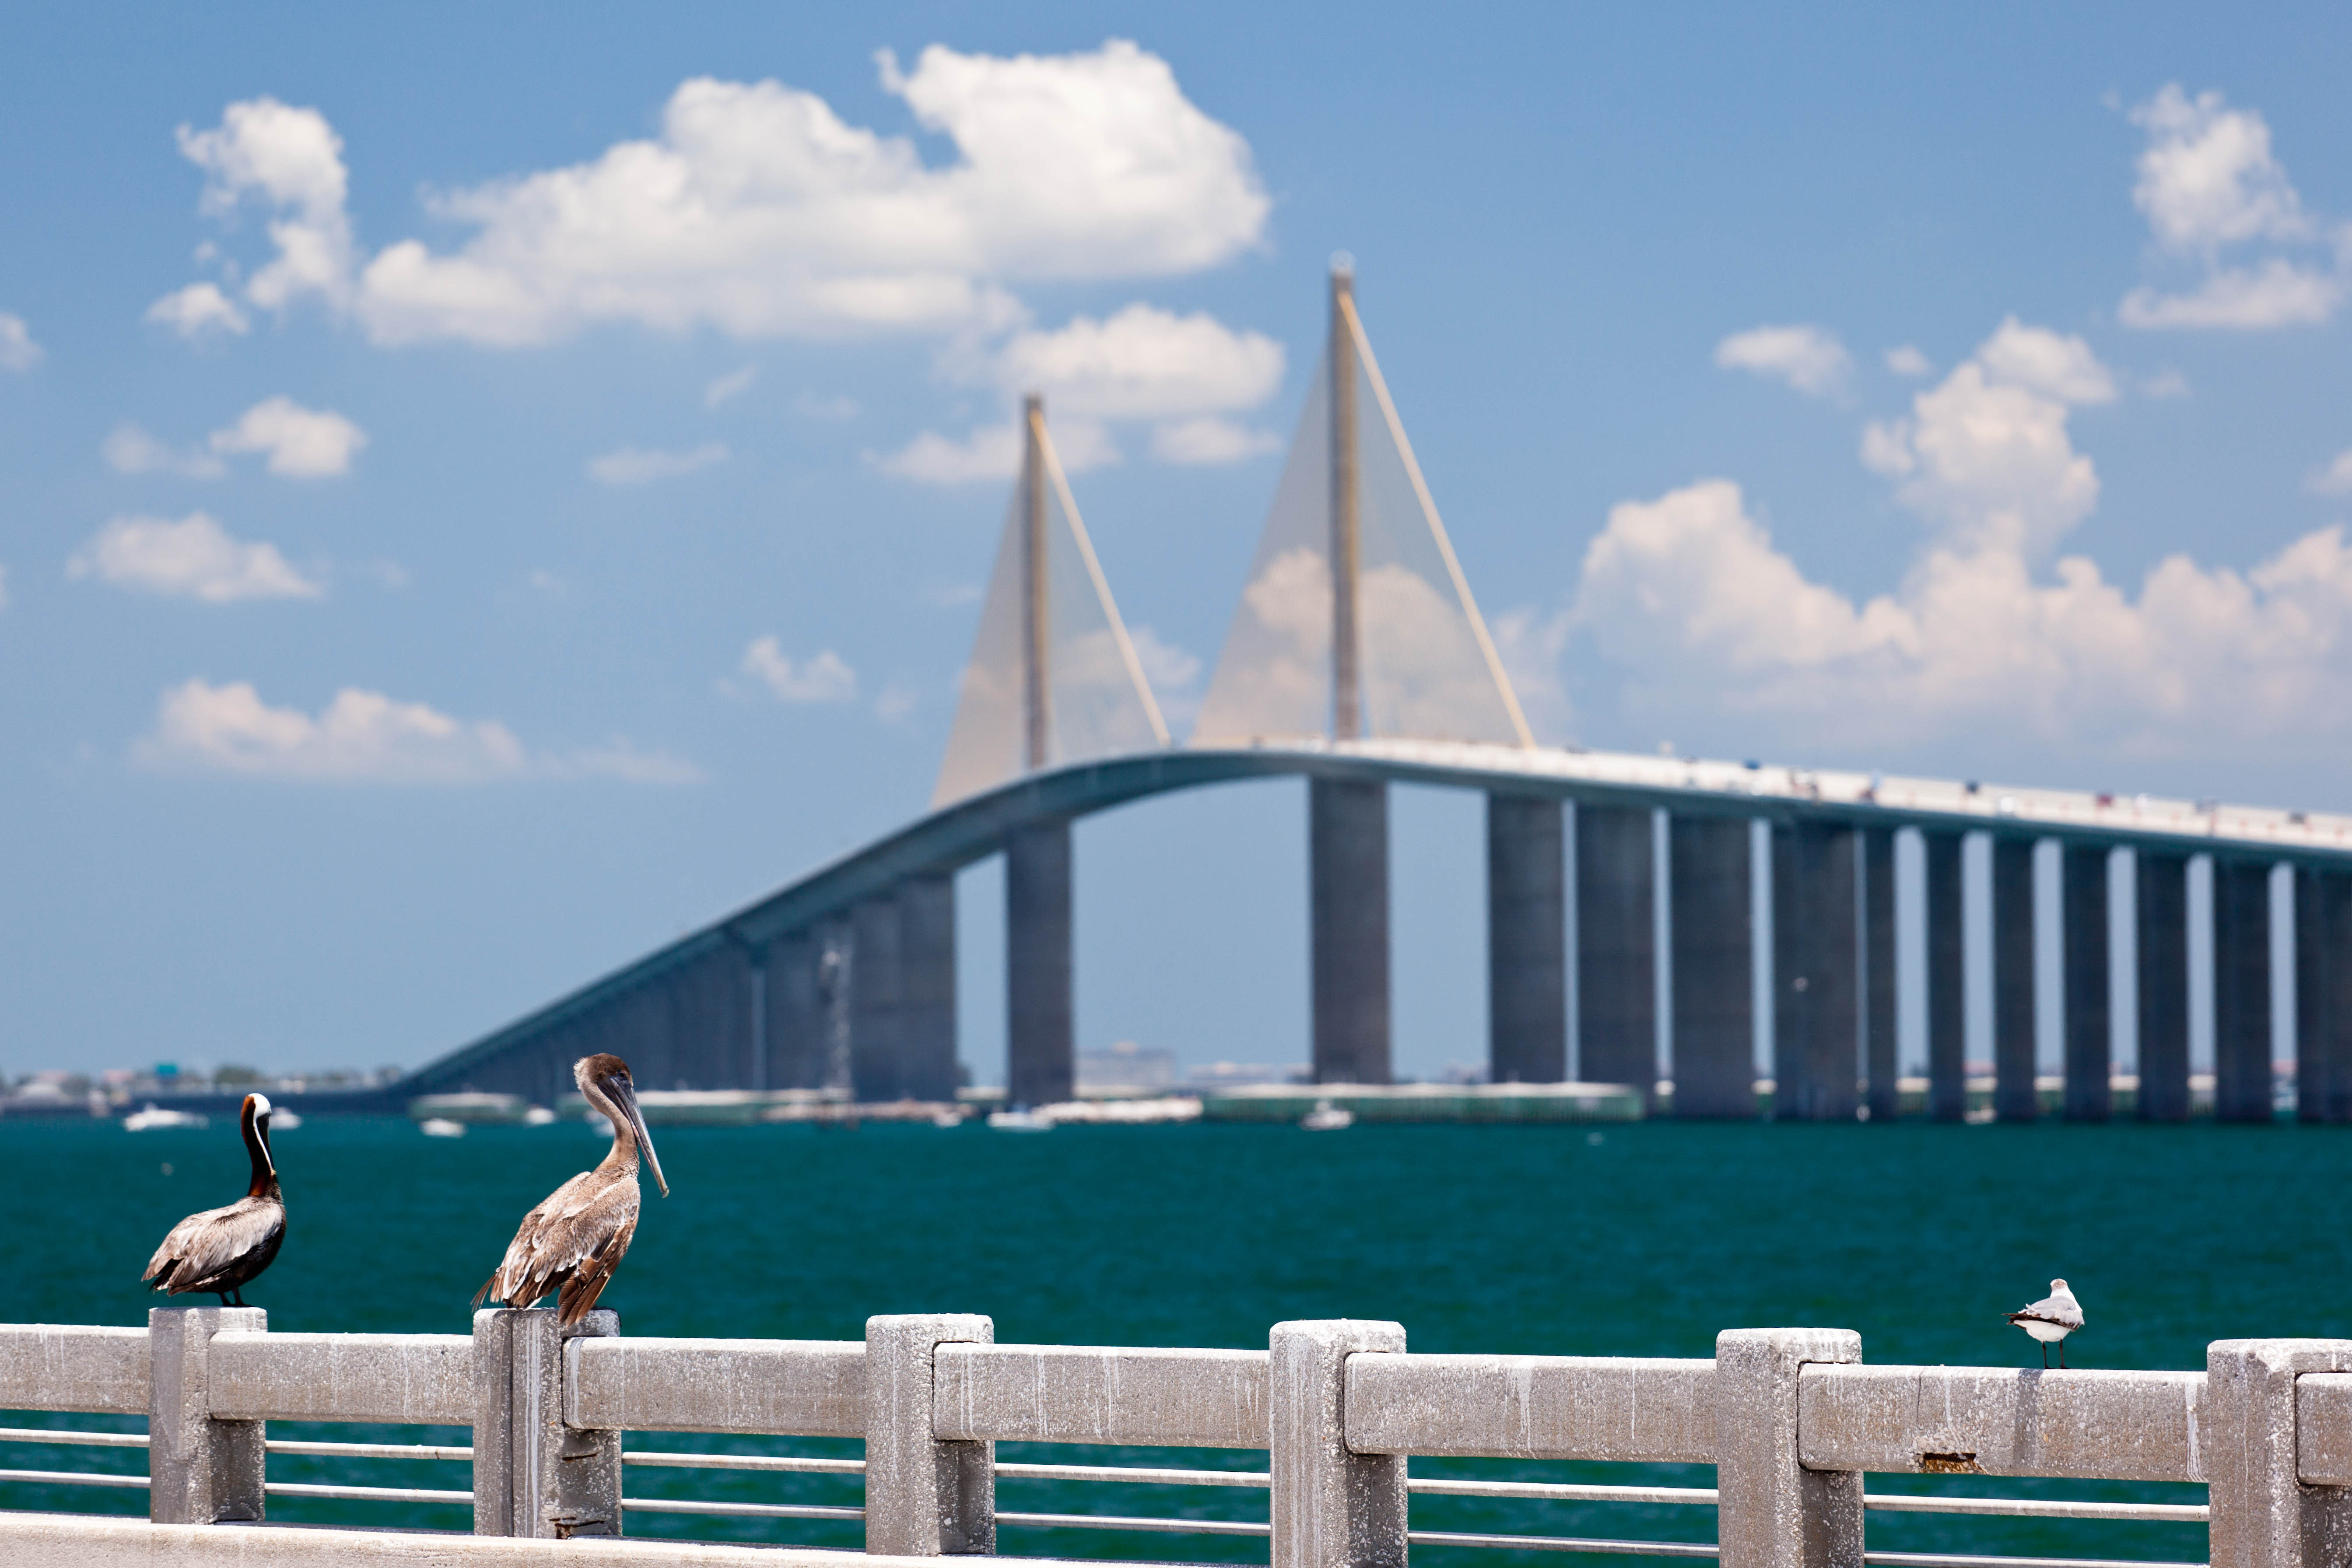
1630,1239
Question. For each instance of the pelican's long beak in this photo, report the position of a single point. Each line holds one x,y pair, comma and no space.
626,1094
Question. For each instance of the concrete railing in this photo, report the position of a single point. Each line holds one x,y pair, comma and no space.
1791,1419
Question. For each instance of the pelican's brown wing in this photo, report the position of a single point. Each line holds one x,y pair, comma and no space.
582,1228
209,1247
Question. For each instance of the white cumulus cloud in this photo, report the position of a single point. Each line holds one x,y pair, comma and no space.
994,452
191,558
1183,375
197,310
758,211
301,443
1986,456
17,349
1906,360
637,465
1807,358
130,450
826,677
734,383
2209,181
364,737
2336,478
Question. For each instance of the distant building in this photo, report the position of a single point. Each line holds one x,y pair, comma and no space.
1125,1066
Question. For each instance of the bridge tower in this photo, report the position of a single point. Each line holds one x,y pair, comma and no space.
1054,679
1357,627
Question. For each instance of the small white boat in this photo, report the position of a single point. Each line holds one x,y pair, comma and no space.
1327,1117
538,1116
1022,1120
150,1118
283,1122
947,1118
441,1127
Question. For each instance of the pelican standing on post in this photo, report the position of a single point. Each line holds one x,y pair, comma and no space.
572,1242
222,1250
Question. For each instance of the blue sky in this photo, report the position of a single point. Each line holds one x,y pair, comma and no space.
487,492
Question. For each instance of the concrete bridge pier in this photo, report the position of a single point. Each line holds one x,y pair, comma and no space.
1348,863
2323,996
1526,941
1708,879
1616,948
927,986
2160,942
1815,1028
1041,1052
2014,1039
794,1003
1947,1033
2089,1043
2241,990
876,1022
1879,1050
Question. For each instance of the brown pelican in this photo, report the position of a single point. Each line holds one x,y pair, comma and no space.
572,1242
222,1250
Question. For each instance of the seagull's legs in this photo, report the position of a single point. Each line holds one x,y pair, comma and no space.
2062,1355
2045,1353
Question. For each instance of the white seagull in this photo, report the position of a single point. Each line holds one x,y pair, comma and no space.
2054,1317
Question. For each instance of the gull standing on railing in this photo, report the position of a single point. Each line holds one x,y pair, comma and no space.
572,1242
222,1250
2054,1317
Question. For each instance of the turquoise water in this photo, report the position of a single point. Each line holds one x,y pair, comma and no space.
1640,1239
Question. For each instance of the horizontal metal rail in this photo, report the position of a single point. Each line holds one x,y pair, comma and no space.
1121,1521
92,1439
372,1450
2036,1508
740,1509
1565,1544
70,1479
655,1457
1547,1491
365,1494
1946,1560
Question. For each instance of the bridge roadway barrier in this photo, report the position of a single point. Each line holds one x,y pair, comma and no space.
1793,1420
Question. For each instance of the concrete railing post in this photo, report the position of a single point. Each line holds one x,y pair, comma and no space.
1772,1512
924,1498
1331,1508
2264,1516
535,1475
200,1470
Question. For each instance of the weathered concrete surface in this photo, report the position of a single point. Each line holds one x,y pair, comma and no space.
536,1474
2323,1425
924,1498
2120,1426
200,1470
1620,1408
1774,1510
56,1366
1331,1507
804,1388
2263,1514
400,1378
1081,1393
70,1540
